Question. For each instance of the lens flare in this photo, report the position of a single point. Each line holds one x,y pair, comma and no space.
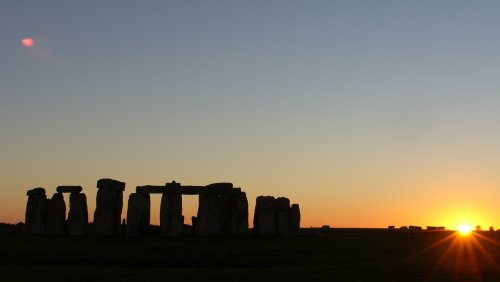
28,42
464,229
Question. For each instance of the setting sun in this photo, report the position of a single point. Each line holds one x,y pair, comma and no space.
464,229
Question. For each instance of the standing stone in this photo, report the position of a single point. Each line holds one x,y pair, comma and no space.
283,216
109,203
138,214
171,219
264,218
223,210
202,226
194,219
208,222
238,214
36,211
56,215
28,218
39,215
295,219
78,214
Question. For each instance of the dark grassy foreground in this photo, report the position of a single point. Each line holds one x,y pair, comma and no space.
336,255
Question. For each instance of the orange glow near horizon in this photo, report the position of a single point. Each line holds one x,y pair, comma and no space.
28,42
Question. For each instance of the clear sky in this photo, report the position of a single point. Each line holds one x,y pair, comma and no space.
366,113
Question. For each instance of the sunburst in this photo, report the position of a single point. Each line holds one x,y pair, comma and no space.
464,230
467,252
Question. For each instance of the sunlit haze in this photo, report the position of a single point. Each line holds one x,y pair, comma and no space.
366,113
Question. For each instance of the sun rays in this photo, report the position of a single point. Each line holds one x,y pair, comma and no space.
465,252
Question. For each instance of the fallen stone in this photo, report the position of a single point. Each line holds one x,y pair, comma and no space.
56,215
69,189
78,214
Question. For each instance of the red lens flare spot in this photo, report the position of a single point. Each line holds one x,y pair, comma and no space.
28,42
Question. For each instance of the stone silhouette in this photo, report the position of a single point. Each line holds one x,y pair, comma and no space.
109,203
207,223
78,214
294,219
171,219
238,214
264,222
276,217
282,216
138,214
69,189
48,216
36,211
56,215
222,209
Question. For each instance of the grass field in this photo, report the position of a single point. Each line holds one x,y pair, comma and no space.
336,255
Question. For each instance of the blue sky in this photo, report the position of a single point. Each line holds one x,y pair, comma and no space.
359,102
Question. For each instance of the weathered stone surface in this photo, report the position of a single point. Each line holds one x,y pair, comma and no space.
238,214
109,203
264,218
78,214
36,214
69,189
171,219
294,219
56,215
207,223
282,216
35,191
107,183
138,214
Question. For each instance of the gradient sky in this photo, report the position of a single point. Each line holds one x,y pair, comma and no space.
366,113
